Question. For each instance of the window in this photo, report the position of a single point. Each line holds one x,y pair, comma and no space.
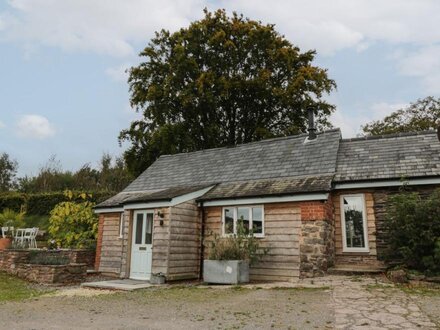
121,226
251,217
354,224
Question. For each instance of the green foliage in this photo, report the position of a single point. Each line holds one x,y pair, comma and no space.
421,115
42,203
8,170
220,82
39,221
111,175
10,218
12,200
73,224
413,225
243,246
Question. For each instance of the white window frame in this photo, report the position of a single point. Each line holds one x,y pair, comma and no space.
121,225
345,248
257,235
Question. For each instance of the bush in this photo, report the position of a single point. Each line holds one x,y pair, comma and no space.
10,218
242,246
73,224
12,200
413,229
43,203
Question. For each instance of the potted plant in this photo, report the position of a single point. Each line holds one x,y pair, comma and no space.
9,220
230,257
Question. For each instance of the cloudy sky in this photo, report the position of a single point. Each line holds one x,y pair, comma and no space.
63,90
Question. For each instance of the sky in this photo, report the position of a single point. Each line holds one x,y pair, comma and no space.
63,88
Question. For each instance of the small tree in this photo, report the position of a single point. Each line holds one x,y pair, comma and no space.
8,170
413,225
73,224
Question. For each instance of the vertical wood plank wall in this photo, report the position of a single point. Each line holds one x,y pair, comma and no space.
161,241
111,245
185,236
282,225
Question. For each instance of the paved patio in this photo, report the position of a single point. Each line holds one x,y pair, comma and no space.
121,284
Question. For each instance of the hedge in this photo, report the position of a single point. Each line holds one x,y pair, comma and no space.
41,203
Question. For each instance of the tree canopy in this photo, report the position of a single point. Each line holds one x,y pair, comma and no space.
8,171
219,82
424,114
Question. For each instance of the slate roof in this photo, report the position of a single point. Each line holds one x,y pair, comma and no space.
389,157
148,196
269,187
272,158
283,166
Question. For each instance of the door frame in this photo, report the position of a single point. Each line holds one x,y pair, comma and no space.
134,213
345,248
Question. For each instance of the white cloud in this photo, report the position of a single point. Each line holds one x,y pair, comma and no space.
329,26
34,126
111,26
2,125
351,122
424,64
102,26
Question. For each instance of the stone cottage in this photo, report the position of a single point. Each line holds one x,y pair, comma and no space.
315,201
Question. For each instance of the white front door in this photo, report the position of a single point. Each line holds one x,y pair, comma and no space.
141,252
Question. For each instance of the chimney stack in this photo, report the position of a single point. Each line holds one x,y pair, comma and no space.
312,129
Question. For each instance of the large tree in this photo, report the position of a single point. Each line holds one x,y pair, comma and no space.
221,81
424,114
8,171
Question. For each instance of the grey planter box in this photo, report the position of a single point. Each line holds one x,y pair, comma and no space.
225,271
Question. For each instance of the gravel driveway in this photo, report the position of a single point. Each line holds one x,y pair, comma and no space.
334,302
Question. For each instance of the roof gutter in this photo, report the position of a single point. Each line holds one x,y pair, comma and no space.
387,183
266,200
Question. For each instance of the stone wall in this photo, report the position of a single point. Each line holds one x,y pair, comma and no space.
16,262
51,274
317,248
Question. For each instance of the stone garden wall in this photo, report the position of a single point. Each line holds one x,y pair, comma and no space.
17,262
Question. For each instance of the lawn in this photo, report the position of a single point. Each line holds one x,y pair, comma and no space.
12,288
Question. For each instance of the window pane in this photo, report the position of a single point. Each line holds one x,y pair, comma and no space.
257,220
139,224
354,222
229,221
243,218
149,229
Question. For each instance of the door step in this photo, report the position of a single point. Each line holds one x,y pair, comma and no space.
355,269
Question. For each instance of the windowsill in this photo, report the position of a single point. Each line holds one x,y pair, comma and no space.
355,250
231,235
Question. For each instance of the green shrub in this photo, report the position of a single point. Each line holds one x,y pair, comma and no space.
43,203
10,218
243,246
12,200
73,224
413,230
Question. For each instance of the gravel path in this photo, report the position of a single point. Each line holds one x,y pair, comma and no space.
331,302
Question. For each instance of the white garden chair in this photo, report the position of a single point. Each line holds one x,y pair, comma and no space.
4,230
30,237
19,237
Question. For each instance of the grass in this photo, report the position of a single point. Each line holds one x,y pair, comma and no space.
13,289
